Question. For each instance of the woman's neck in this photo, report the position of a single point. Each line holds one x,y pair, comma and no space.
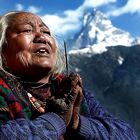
44,79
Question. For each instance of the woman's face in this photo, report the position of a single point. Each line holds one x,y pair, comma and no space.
31,49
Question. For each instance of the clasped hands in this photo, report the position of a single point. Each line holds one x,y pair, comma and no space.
66,102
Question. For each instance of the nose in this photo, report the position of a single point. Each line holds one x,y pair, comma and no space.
39,38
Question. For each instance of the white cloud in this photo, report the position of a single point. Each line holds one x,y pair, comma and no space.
19,7
70,20
34,9
132,6
97,3
61,25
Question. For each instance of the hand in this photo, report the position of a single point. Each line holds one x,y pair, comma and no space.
75,116
63,102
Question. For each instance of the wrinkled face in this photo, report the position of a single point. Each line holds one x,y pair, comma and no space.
30,47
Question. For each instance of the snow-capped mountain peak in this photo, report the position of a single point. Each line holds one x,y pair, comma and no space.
98,32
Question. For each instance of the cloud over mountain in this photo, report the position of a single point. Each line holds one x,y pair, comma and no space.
69,21
132,6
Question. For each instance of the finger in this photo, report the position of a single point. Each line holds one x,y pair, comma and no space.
72,95
74,78
79,97
69,83
80,83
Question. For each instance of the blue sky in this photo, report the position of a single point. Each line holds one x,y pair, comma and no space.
65,15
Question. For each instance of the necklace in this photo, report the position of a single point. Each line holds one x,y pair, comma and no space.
35,103
34,85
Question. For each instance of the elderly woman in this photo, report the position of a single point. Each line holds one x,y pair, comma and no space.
36,101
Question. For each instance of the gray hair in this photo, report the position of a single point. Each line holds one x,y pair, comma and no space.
3,26
4,23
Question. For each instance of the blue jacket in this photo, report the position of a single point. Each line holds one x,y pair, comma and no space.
95,124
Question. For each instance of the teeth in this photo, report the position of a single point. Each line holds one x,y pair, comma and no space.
41,51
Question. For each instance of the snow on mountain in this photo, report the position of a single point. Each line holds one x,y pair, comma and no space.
97,33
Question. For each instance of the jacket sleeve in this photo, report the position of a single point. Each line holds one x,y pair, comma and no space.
98,124
47,127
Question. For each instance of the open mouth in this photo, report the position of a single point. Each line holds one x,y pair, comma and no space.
41,51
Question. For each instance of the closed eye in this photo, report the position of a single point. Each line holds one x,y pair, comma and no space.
24,31
46,32
27,30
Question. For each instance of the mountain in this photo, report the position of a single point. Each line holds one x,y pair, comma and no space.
114,78
98,32
108,59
